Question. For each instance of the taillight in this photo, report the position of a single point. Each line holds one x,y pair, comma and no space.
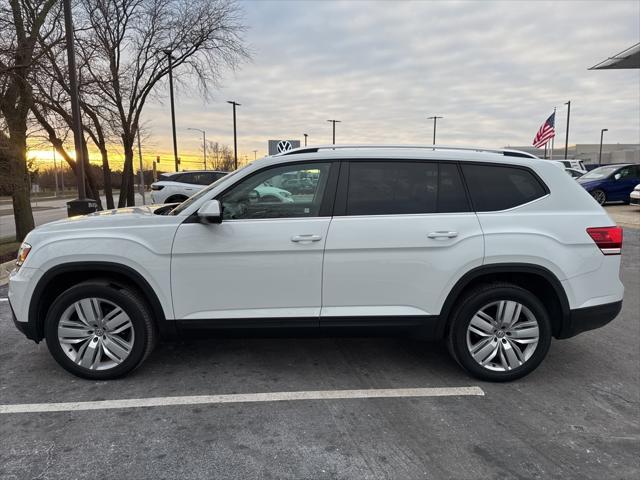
608,239
156,187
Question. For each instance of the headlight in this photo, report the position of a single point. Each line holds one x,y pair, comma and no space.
23,253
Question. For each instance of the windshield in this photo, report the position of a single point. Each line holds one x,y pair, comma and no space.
599,173
189,201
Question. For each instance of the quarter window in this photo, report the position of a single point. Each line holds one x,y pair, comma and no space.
497,187
385,188
281,192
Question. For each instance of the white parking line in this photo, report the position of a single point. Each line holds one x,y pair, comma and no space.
242,398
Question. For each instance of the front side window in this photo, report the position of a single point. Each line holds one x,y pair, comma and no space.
280,192
398,187
498,187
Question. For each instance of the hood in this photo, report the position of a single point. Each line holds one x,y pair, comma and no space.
105,218
588,182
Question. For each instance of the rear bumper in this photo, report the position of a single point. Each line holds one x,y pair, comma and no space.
589,318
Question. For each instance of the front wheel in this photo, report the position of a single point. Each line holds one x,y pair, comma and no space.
599,196
99,332
500,332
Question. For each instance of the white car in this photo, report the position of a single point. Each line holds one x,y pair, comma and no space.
176,187
494,253
634,197
573,173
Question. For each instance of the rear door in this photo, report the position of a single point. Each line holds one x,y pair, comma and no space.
402,234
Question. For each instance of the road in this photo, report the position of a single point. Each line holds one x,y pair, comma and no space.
577,416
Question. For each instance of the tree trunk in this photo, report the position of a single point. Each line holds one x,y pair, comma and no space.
127,194
106,175
91,187
21,187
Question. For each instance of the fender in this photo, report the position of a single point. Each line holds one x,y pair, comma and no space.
503,268
36,316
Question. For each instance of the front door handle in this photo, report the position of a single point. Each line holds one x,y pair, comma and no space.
306,238
442,234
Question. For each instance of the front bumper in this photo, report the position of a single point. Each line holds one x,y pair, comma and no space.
634,200
25,328
589,318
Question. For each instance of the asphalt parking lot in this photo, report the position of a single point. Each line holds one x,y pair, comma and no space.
577,416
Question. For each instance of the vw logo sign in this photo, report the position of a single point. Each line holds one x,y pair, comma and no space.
284,146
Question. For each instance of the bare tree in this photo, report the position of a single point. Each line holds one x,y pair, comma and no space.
126,55
220,156
27,30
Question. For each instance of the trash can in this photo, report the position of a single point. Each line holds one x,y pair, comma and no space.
81,207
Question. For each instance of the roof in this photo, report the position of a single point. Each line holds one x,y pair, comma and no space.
629,58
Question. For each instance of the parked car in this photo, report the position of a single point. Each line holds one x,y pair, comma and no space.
634,197
493,253
574,173
611,183
574,164
176,187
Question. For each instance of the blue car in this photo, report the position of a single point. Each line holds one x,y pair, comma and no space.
611,183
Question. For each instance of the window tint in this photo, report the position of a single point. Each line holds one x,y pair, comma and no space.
496,187
280,192
382,188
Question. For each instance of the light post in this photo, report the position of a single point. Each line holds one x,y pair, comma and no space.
334,129
204,144
173,110
305,138
600,154
566,138
255,154
235,137
82,204
435,120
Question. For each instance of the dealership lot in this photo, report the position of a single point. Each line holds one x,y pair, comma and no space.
577,416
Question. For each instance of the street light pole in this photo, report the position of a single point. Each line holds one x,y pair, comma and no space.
235,136
204,144
566,140
435,120
305,138
173,110
600,154
334,129
255,154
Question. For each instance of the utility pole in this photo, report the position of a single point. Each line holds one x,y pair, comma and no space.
334,130
435,120
204,144
305,139
55,170
235,136
173,109
144,201
255,154
82,204
600,154
566,139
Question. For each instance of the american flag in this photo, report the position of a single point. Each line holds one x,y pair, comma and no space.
546,132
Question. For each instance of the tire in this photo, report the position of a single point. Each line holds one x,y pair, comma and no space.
176,199
99,351
599,196
515,351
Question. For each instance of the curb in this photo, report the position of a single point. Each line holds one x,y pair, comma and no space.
5,268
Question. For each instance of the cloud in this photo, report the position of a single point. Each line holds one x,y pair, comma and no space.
494,70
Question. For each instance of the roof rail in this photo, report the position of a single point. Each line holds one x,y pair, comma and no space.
502,151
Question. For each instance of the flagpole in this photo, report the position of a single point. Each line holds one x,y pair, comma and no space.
554,137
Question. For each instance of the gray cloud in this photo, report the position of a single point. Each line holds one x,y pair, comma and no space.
494,70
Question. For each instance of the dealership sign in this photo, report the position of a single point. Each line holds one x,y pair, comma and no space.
281,146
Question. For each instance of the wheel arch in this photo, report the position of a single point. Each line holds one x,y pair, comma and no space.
61,277
535,278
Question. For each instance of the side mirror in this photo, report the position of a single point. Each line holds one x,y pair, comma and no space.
210,212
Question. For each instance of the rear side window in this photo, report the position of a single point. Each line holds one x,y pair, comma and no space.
497,187
386,188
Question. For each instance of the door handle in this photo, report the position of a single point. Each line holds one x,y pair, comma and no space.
442,234
306,238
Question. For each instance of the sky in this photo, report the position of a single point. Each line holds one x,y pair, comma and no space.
493,69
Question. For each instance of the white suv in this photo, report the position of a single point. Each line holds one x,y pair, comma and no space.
493,251
176,187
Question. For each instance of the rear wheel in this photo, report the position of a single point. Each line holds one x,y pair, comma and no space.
99,332
599,196
500,332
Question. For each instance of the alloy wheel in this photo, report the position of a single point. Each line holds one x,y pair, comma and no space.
599,196
502,335
96,334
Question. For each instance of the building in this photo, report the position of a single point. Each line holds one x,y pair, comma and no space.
588,152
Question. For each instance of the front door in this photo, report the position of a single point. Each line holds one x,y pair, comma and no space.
265,259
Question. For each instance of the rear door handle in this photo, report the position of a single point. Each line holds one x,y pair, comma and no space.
306,238
442,234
